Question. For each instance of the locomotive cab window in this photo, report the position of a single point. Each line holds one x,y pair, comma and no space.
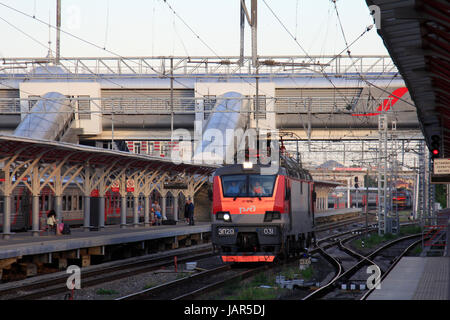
248,185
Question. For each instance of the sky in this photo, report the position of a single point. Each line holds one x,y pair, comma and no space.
199,28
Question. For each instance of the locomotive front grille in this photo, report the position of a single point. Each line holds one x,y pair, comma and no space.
247,241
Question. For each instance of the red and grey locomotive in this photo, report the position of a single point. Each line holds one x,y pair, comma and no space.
259,217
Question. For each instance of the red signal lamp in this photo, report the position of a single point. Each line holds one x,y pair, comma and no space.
435,152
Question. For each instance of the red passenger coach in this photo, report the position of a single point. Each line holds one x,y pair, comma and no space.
258,217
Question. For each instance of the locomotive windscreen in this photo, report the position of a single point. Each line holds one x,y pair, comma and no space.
248,185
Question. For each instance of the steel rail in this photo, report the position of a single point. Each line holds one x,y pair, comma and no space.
391,267
322,291
57,285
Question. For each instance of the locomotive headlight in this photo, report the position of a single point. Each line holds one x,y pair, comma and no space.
247,165
223,215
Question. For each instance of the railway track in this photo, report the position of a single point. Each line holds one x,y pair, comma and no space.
342,223
342,276
394,263
56,284
209,280
52,284
195,285
201,283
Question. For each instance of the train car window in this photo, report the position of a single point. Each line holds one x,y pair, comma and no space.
261,186
69,202
234,185
75,203
252,185
80,202
64,205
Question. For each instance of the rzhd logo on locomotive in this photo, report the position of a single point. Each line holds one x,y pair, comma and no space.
247,210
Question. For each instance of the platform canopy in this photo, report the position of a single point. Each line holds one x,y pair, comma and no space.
25,149
415,32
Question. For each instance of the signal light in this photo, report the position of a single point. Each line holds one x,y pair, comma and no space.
435,146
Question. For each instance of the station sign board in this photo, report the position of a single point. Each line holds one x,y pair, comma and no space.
441,171
441,166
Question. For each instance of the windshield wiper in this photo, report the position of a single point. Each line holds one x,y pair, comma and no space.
240,191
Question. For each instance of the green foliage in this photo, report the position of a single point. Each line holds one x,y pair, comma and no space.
373,240
252,290
441,195
182,275
149,285
308,273
106,292
262,279
410,230
252,293
417,250
289,273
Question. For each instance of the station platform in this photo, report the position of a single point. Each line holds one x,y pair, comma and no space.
416,278
22,244
336,214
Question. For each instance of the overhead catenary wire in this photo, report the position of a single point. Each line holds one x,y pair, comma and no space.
108,80
350,56
336,56
163,75
191,29
302,49
206,44
107,24
50,51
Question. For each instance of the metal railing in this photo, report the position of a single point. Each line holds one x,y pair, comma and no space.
163,105
92,67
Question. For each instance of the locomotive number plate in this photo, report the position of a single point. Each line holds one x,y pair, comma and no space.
269,231
225,231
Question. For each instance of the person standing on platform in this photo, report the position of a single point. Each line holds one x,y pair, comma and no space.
158,215
186,211
191,212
